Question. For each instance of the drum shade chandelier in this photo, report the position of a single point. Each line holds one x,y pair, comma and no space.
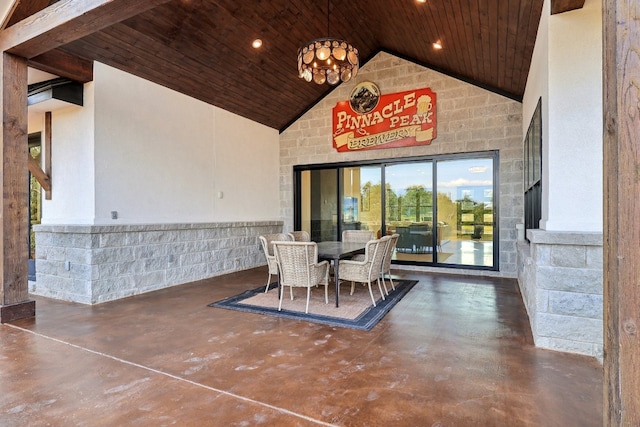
327,59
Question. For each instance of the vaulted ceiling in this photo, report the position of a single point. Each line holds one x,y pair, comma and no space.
202,48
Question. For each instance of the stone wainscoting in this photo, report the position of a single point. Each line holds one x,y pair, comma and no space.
91,264
561,280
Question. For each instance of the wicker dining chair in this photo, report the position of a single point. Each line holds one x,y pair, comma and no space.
266,242
357,236
367,270
386,263
385,267
300,236
299,267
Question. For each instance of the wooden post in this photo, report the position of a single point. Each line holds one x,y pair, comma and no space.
14,233
621,104
47,151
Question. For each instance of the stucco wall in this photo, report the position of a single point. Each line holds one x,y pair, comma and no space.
566,72
157,156
470,119
193,187
561,269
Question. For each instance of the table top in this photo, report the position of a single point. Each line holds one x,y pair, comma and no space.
339,249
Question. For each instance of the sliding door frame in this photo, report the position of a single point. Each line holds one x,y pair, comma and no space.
383,163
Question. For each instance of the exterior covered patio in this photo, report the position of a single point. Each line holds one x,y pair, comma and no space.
182,145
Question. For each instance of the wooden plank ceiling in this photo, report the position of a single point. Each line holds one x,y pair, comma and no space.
202,48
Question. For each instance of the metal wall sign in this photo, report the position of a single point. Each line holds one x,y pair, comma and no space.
370,121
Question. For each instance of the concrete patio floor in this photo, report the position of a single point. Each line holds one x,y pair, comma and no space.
456,351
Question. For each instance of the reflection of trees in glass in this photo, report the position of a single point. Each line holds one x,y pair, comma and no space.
371,208
417,204
393,207
476,210
447,209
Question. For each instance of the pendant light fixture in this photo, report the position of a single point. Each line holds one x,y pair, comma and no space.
327,59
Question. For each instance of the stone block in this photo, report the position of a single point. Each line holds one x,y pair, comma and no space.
107,270
542,300
570,279
595,257
109,240
568,346
129,267
541,254
150,251
570,328
194,258
155,237
569,256
574,304
150,281
107,255
154,264
77,255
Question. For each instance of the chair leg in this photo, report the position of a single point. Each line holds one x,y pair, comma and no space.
353,287
266,288
379,287
391,280
326,293
291,292
371,293
386,291
306,310
280,301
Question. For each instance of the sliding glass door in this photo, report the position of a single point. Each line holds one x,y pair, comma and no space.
361,201
409,210
466,211
442,208
318,204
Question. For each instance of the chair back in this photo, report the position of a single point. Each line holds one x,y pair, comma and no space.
374,256
294,261
391,246
267,239
378,257
300,236
357,236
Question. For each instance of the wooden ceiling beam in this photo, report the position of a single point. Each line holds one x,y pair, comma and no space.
67,21
64,64
560,6
23,9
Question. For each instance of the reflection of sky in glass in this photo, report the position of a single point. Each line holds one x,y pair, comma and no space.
370,175
451,175
400,177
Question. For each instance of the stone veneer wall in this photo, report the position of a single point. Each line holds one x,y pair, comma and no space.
469,119
96,263
561,281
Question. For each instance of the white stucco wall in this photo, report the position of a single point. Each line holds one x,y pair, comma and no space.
247,165
157,156
72,165
560,266
567,72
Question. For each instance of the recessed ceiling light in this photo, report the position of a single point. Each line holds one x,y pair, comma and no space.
257,43
421,1
437,45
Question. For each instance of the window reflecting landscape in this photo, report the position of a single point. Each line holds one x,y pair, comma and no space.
442,210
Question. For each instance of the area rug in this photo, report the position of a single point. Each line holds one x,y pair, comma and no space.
355,311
